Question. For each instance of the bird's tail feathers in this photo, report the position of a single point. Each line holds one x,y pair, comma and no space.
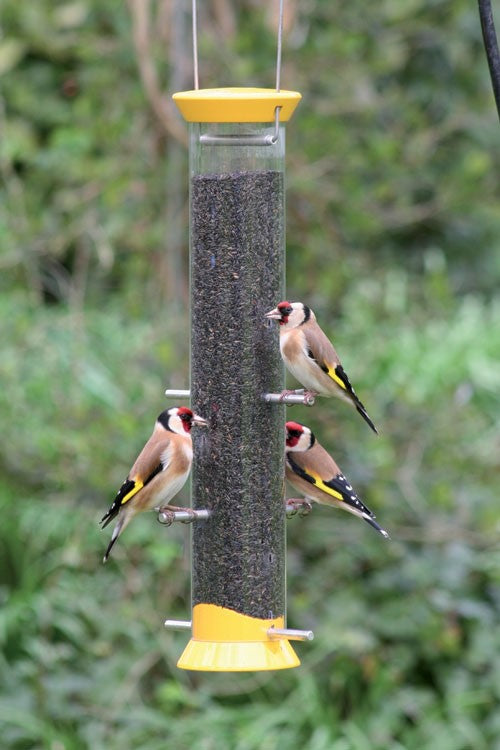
361,409
110,545
375,525
108,517
348,391
113,510
119,528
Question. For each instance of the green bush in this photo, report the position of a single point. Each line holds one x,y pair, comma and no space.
393,225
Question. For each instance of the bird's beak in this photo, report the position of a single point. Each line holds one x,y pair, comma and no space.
273,314
199,421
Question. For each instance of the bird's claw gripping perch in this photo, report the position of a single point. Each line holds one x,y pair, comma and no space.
308,396
169,514
288,392
192,515
289,398
294,506
166,517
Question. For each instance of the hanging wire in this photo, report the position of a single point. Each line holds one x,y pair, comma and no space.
195,45
280,37
491,47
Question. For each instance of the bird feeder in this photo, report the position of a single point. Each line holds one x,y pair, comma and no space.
237,241
237,269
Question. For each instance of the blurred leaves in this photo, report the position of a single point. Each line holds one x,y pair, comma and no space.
393,233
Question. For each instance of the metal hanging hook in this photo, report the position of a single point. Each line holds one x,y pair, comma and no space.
270,139
194,14
278,54
195,46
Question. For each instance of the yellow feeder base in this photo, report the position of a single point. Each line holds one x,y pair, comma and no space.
227,641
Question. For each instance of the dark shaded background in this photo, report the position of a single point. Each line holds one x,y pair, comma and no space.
393,226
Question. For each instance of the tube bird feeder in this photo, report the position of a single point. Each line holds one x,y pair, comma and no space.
237,267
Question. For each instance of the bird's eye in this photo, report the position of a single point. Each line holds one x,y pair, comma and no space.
185,417
285,308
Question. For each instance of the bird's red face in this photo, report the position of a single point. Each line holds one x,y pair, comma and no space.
280,313
294,431
180,419
285,310
186,417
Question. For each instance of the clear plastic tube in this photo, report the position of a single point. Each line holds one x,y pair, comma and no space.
237,240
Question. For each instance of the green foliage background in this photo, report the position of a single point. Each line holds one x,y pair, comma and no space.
393,238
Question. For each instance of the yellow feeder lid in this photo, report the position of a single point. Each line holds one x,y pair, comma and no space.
236,104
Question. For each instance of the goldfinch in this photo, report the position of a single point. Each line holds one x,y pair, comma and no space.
159,471
310,357
314,473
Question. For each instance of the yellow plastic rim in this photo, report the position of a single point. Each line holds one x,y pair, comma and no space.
236,104
202,656
227,641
